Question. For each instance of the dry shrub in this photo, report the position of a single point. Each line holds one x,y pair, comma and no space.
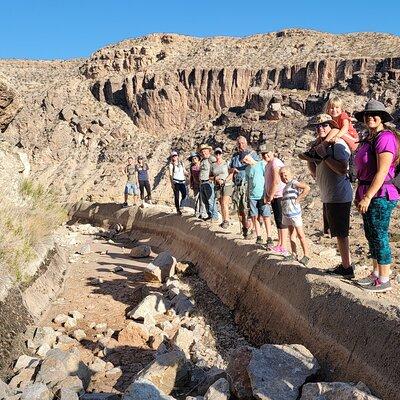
24,222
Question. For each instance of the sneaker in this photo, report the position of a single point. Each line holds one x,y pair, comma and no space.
179,212
245,232
277,249
304,260
259,240
125,204
270,242
367,281
206,218
342,271
378,287
224,225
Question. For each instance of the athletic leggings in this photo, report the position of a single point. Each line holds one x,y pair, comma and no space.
179,188
142,186
376,228
276,205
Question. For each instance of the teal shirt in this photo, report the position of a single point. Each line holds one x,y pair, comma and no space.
255,180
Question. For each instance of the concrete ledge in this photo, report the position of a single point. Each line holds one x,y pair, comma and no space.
353,335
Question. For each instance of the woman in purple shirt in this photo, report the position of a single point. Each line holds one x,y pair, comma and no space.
376,196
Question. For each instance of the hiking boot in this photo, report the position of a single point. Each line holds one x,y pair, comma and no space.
378,287
304,260
347,273
245,232
224,225
125,204
206,218
367,281
270,242
259,240
179,212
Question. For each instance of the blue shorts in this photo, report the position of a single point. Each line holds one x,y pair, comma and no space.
131,188
258,207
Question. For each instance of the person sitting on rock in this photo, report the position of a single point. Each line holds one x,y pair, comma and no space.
255,186
336,191
345,130
142,170
177,176
293,193
207,192
130,186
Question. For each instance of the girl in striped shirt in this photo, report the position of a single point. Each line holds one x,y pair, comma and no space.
293,193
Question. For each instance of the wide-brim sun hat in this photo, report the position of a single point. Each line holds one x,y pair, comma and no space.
193,154
376,107
322,119
204,146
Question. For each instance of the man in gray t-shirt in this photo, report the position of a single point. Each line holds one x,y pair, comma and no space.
335,187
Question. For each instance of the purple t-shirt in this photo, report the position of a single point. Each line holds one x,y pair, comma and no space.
366,165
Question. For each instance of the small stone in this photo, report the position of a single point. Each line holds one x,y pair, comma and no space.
5,390
70,323
161,268
115,372
92,325
335,390
152,305
96,281
101,327
183,339
141,251
181,267
36,391
79,335
76,315
144,389
118,268
60,319
25,361
85,249
43,350
109,332
134,335
98,365
219,390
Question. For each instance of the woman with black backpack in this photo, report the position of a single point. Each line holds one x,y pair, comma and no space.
377,195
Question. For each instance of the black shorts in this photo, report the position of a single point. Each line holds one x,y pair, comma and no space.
276,205
337,219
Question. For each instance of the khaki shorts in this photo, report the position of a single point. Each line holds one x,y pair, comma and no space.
240,198
225,190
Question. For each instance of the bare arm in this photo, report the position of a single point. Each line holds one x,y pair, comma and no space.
312,168
275,181
305,189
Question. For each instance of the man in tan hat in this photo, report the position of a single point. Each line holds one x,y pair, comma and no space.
206,185
336,191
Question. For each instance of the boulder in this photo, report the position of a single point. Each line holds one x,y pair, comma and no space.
100,396
59,365
151,305
67,394
70,323
79,334
166,371
98,365
66,113
5,390
22,378
219,390
237,374
43,335
144,389
162,267
25,361
141,251
36,391
134,334
72,383
335,391
43,349
278,371
183,339
183,305
210,377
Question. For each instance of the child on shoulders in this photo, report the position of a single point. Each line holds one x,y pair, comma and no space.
344,130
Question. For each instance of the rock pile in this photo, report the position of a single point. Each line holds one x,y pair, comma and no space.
69,359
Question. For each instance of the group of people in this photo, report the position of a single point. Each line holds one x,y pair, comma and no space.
260,186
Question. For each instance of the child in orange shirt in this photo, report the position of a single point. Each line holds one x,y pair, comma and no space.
345,129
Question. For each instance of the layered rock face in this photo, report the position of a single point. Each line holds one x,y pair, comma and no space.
81,119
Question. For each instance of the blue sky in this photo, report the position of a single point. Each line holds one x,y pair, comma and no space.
63,29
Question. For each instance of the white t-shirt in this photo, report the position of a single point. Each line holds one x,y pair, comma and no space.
177,172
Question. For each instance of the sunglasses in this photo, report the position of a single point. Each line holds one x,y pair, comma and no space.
323,125
373,114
